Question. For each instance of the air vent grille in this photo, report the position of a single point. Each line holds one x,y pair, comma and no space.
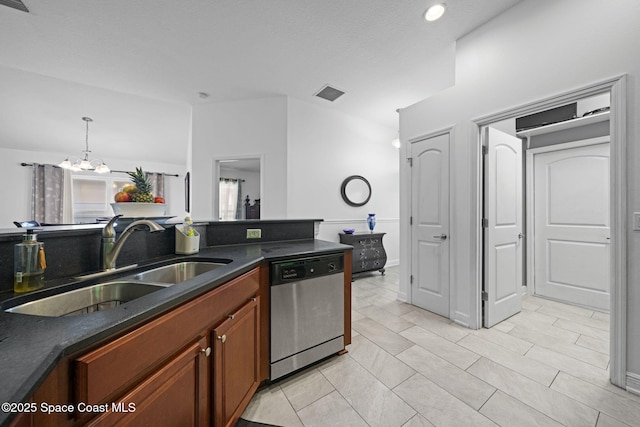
14,4
329,93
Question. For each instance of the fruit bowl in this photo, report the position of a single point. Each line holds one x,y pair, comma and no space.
135,209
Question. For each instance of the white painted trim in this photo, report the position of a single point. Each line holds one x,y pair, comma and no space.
530,197
618,132
358,220
617,86
215,202
530,233
477,264
633,383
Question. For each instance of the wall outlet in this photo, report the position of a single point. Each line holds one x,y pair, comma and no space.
254,233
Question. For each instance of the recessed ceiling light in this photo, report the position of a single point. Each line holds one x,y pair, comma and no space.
435,12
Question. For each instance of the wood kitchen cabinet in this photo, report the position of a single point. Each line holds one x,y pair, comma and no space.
174,368
164,367
236,363
175,395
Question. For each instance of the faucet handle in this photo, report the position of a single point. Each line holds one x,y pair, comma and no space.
108,230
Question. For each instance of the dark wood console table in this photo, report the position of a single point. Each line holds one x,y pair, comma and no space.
368,251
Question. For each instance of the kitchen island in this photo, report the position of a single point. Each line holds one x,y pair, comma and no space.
33,347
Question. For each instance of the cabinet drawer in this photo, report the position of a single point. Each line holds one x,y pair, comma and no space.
107,372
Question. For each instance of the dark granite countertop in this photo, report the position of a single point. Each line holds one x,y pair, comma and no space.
31,346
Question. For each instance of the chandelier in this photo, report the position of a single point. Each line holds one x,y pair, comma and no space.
76,164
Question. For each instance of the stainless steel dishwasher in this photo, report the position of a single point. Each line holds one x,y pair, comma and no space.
307,311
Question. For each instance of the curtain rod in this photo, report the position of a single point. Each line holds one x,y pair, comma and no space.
165,174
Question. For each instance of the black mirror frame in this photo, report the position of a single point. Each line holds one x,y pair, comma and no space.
343,190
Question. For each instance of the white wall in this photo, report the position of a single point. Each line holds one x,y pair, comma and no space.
248,128
307,152
533,51
16,179
41,113
325,147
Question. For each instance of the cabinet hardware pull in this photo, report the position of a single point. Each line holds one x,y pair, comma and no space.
206,351
222,338
441,237
254,299
231,316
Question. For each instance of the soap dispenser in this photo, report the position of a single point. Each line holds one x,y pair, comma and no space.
29,264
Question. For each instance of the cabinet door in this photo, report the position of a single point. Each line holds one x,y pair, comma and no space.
236,363
176,395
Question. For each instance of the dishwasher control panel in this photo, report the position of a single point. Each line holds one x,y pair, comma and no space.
306,268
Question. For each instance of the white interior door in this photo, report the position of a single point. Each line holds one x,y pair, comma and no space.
571,237
503,239
430,227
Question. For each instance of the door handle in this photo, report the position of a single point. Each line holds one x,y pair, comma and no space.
441,237
520,235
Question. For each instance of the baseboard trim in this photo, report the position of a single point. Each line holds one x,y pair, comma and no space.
402,296
633,383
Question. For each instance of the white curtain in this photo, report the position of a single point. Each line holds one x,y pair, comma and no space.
157,183
228,198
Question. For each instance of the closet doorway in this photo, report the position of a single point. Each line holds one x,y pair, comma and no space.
571,175
560,196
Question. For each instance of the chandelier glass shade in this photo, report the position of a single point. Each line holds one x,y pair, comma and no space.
85,164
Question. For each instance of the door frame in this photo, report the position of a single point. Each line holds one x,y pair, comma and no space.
215,188
617,88
530,174
449,130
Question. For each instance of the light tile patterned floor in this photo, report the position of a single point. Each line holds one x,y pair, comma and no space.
546,366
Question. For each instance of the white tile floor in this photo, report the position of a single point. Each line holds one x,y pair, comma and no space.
546,366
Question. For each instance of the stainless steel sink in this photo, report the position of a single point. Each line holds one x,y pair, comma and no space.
103,296
176,273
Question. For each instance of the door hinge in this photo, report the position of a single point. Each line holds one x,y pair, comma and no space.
410,160
485,296
410,220
411,279
485,150
485,223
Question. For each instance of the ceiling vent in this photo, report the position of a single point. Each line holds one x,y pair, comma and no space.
15,4
329,93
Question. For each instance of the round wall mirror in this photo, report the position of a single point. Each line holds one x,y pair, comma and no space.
356,190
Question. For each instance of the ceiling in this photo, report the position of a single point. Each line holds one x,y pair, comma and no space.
162,53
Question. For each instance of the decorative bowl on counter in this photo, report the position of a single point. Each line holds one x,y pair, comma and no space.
349,230
135,209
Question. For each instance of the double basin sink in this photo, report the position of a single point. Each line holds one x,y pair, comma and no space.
110,294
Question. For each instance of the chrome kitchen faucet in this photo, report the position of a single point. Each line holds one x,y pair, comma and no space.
111,246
